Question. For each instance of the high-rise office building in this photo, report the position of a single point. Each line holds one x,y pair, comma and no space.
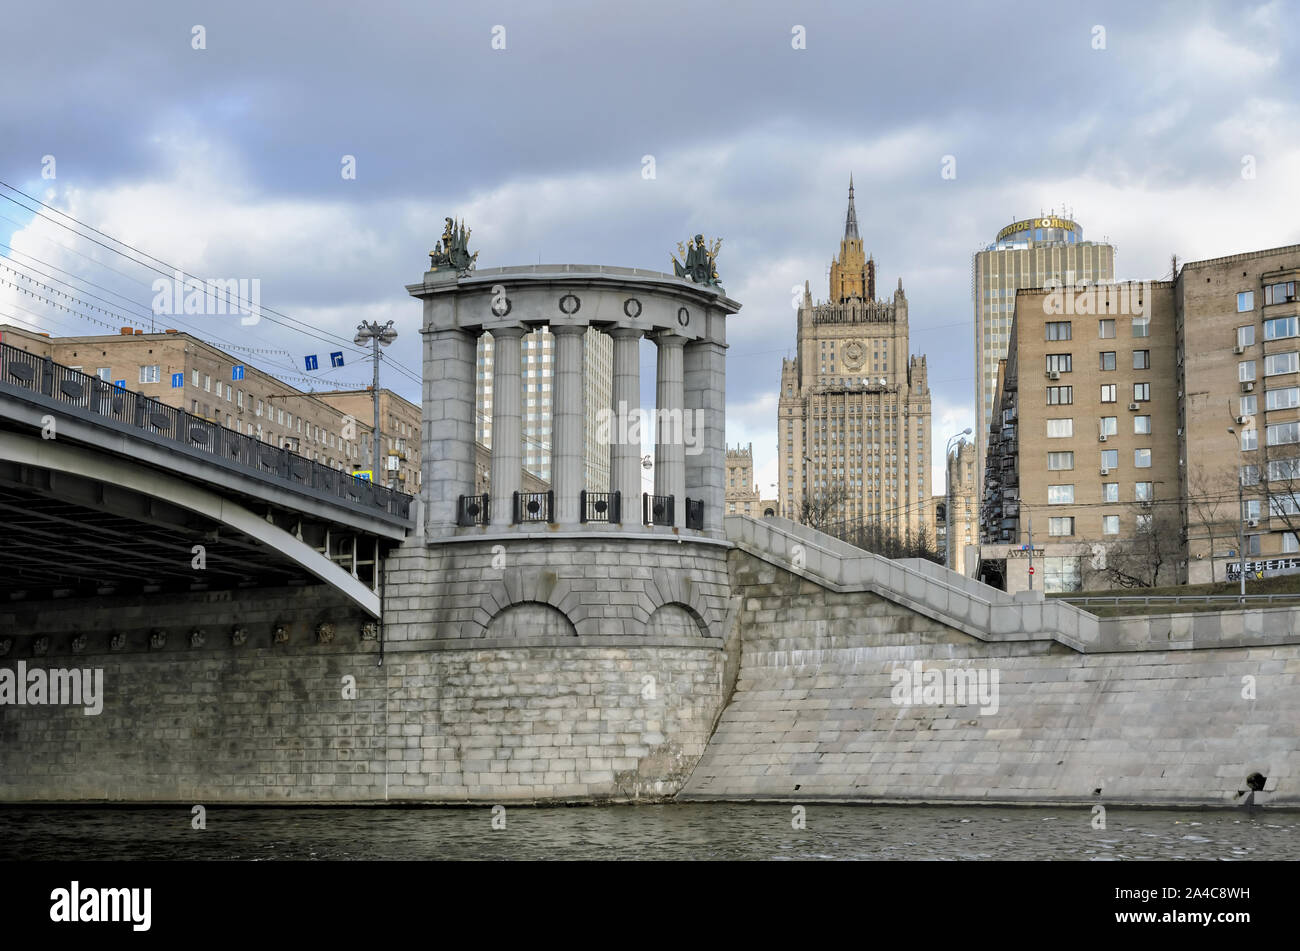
1035,252
536,366
854,412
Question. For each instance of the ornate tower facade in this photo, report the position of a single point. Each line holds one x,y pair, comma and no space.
854,411
853,273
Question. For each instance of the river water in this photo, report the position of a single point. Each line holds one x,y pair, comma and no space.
689,831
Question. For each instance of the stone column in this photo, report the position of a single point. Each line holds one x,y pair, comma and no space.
670,466
625,452
447,443
567,421
706,447
506,424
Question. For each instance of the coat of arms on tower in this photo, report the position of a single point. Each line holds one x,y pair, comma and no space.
453,250
698,263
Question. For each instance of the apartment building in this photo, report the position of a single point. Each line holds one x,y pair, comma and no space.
1164,414
1028,253
399,426
1239,373
1085,450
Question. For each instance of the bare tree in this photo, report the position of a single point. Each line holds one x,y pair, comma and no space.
1212,501
819,510
1154,546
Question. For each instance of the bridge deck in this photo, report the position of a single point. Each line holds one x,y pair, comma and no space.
124,421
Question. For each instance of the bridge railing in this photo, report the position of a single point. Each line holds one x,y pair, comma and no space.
101,399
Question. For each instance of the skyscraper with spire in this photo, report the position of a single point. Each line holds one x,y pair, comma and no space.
853,418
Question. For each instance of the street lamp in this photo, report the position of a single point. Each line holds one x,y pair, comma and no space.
948,560
1241,528
371,332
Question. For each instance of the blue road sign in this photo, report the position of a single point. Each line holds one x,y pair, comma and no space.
312,363
178,380
336,358
237,372
120,384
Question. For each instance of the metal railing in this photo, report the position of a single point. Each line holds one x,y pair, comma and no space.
96,399
1160,599
656,509
695,514
473,509
601,506
534,507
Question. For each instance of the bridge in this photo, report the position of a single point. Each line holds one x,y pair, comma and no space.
104,490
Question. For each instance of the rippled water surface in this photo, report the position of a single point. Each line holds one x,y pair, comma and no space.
685,831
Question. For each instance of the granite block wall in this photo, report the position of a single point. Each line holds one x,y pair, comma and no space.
819,711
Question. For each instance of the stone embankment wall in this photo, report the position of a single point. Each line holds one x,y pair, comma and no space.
570,672
814,711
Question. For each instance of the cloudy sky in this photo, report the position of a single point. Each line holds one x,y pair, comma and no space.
228,160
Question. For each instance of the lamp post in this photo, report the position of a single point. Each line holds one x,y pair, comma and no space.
377,335
948,560
1241,530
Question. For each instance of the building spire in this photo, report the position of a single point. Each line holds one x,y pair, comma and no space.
851,221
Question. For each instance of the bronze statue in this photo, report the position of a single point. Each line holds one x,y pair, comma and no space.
453,250
699,263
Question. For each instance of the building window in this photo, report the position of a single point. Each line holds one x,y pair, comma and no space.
1109,425
1107,359
1245,301
1290,545
207,383
1141,359
1245,336
1058,461
1279,293
1060,395
105,373
1247,406
1059,362
1286,398
1252,510
1106,329
1281,363
1110,459
1279,328
1110,524
1110,491
1245,371
1108,393
1060,428
1249,475
1283,434
1142,425
1141,392
1142,458
1249,439
1060,526
239,398
1060,495
149,374
1252,544
1058,330
1141,326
